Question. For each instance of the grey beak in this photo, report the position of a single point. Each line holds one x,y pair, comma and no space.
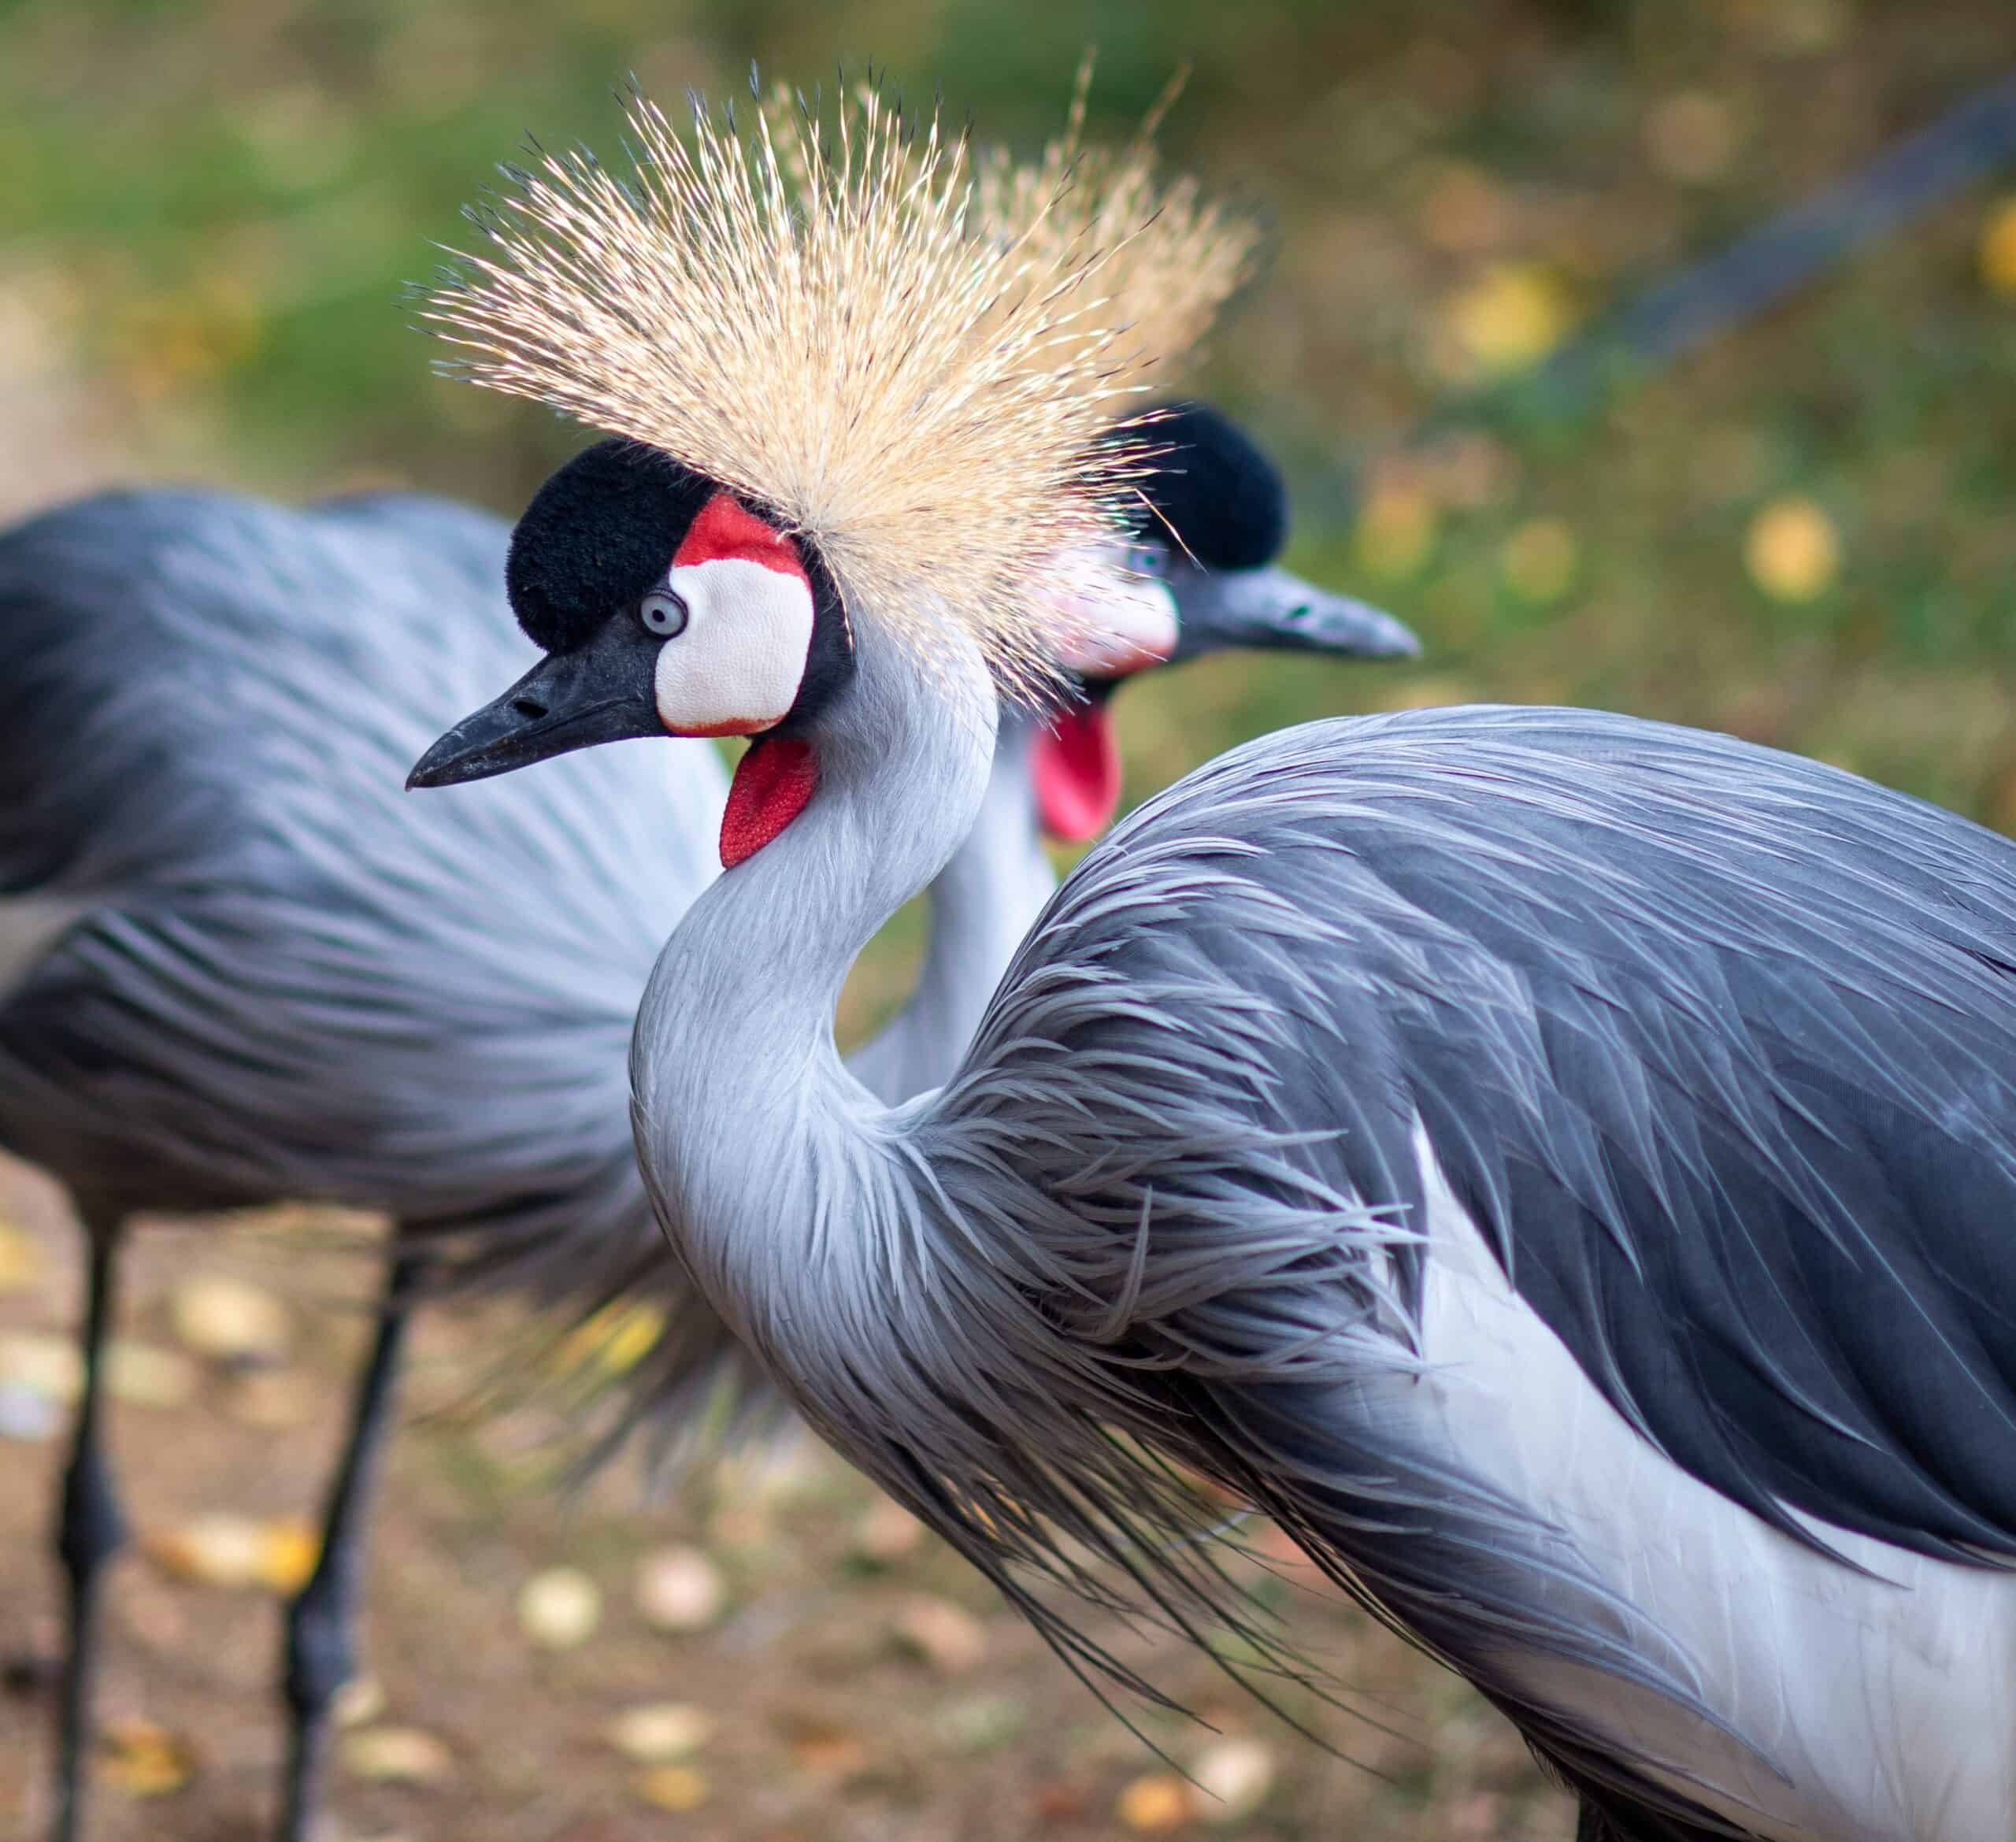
603,692
1272,608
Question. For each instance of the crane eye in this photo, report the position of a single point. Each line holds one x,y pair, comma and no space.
663,613
1146,558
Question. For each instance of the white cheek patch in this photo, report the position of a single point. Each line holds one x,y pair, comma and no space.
737,666
1108,622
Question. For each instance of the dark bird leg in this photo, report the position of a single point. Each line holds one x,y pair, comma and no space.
90,1530
320,1623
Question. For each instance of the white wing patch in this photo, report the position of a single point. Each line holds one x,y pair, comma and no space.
737,666
1887,1704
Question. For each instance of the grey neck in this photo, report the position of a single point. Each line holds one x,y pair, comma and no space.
983,904
759,1148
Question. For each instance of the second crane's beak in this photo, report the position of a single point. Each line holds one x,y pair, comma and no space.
599,692
1271,607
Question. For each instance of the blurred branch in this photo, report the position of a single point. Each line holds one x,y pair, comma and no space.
1679,314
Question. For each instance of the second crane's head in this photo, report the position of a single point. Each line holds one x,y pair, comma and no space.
1212,519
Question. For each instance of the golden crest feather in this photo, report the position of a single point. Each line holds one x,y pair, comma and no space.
835,323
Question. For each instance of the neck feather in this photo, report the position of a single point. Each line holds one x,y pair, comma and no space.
752,1135
983,904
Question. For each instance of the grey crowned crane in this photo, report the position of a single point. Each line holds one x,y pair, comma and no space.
1560,1165
236,964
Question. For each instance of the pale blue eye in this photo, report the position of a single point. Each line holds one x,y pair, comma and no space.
1148,559
663,613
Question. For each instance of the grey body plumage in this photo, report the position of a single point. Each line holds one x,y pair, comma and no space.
1709,1053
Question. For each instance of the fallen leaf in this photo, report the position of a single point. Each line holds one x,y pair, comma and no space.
41,1363
680,1589
396,1755
560,1608
616,1339
20,1260
229,1320
1505,322
886,1533
660,1730
674,1788
360,1700
1792,550
143,1759
289,1548
220,1548
948,1637
1155,1804
146,1375
1234,1777
1998,249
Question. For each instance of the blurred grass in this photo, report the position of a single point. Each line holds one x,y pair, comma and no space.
209,210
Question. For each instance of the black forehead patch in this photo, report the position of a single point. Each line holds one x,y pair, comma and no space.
598,534
1222,497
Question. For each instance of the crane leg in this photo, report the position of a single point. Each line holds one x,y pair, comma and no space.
91,1528
320,1622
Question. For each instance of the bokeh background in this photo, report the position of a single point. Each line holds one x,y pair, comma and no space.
1802,533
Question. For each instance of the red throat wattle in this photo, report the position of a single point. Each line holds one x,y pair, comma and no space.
774,779
1077,771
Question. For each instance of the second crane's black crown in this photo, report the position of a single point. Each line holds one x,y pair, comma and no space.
1223,500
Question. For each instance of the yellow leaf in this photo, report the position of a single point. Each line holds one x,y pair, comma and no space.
1505,322
221,1549
613,1340
144,1375
20,1260
142,1759
396,1755
1792,550
674,1788
229,1320
361,1699
41,1363
289,1547
560,1608
1154,1804
1998,249
218,1549
660,1730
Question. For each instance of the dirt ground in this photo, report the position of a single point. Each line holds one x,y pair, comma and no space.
856,1682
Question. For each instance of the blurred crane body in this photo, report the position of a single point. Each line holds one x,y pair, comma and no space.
1560,1166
